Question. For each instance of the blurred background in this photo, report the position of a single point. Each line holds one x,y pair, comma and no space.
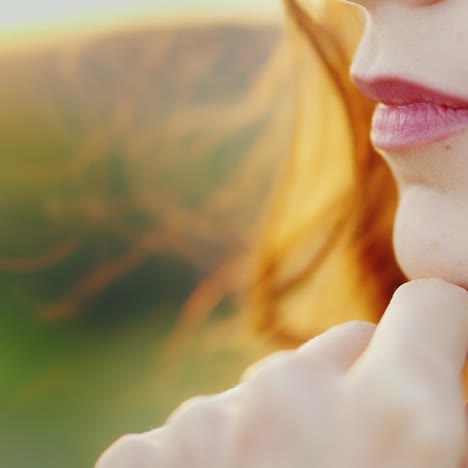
139,141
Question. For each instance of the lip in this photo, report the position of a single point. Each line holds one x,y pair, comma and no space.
411,115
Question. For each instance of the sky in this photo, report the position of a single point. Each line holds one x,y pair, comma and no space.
40,18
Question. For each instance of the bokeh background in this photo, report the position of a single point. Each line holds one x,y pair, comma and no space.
139,142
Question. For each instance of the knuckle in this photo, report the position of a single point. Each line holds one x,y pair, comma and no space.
273,384
267,368
196,431
269,412
360,327
353,327
281,391
196,410
130,450
324,347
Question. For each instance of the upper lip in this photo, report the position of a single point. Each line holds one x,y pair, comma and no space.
394,91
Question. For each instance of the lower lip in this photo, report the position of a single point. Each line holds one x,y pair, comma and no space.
413,125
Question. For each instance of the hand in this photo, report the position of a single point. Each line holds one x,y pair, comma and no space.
356,397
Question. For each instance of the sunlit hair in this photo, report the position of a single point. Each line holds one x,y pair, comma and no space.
325,253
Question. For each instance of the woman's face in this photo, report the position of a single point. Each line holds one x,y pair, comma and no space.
414,59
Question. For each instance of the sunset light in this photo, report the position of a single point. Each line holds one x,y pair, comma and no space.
140,141
24,20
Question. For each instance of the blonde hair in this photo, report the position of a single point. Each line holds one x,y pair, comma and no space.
325,253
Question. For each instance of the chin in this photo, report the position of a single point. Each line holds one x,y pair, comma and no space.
431,235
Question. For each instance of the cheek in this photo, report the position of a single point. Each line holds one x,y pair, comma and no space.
431,235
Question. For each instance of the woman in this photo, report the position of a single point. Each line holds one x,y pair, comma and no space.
357,395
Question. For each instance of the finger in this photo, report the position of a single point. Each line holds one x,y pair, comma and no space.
424,330
340,346
334,350
131,450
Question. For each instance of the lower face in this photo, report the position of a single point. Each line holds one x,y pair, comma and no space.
424,42
431,226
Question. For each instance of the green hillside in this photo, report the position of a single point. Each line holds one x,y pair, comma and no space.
131,166
123,148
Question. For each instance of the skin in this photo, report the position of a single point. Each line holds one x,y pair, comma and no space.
425,41
357,396
363,396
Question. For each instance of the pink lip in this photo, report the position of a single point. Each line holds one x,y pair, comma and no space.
411,115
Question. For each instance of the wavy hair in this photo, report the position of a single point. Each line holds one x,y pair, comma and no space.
325,253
